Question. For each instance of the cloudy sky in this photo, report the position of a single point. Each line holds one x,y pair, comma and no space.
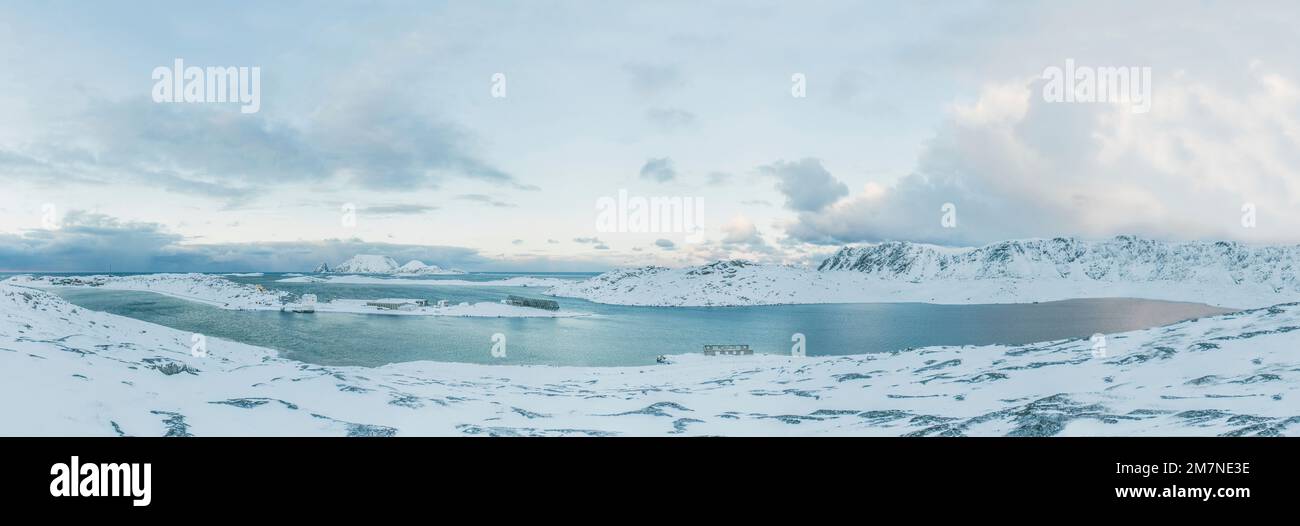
388,109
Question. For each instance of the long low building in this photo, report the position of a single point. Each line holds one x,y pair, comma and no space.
520,301
398,303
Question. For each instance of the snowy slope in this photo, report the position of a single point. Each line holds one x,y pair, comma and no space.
82,372
366,264
418,268
1122,259
202,288
1222,273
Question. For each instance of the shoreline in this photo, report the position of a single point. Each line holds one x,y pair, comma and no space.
228,295
764,285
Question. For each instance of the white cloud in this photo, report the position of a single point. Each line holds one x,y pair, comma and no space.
1015,165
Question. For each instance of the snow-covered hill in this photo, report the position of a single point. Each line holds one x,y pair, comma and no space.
418,268
366,264
201,288
1217,273
81,372
374,264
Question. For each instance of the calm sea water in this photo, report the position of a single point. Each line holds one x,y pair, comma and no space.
620,335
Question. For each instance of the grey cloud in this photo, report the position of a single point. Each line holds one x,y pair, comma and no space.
88,242
652,78
912,211
806,184
485,199
718,178
198,150
660,169
670,119
388,147
665,244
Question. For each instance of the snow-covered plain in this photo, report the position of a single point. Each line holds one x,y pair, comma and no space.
226,294
1222,274
80,372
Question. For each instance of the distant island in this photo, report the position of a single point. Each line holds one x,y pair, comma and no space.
375,264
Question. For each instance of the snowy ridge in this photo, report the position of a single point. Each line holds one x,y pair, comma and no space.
1122,259
366,264
102,374
1216,273
373,264
418,268
201,288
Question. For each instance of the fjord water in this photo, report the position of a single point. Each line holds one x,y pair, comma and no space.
620,335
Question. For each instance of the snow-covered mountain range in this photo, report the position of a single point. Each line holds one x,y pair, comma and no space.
1121,259
1217,273
375,264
